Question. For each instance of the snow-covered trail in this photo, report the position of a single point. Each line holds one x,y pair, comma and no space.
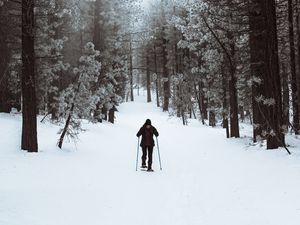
206,179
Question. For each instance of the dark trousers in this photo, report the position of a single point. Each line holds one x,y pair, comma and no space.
149,150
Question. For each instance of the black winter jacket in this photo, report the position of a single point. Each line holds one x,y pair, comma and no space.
142,132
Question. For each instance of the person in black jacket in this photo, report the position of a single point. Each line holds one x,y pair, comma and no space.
147,131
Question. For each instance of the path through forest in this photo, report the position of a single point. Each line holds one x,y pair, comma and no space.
206,179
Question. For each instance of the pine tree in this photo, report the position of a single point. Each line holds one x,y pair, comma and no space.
78,97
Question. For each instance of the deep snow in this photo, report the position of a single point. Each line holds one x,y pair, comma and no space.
206,178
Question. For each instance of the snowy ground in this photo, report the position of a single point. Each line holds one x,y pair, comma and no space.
206,178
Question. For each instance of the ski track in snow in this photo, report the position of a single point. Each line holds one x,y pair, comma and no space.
206,178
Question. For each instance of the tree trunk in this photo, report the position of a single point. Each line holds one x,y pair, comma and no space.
298,47
295,103
104,113
165,75
166,85
63,134
242,113
5,96
256,26
285,97
97,43
203,100
267,110
29,108
148,80
157,78
212,115
225,107
234,118
111,114
4,92
97,28
197,94
275,137
97,113
131,73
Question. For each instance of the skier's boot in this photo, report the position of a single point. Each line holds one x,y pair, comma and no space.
143,164
150,169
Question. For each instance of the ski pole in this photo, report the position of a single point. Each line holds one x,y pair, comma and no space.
158,153
137,154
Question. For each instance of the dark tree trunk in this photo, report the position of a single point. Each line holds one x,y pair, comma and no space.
298,47
273,86
178,100
97,113
203,100
157,78
148,80
256,25
4,91
212,115
97,43
234,118
184,122
29,108
166,85
104,113
165,75
242,113
198,93
97,27
66,127
5,97
295,103
234,121
198,97
285,97
267,112
225,107
111,114
131,73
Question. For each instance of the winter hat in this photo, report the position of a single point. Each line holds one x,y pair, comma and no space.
148,122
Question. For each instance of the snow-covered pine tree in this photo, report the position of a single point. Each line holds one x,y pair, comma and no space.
110,33
78,101
49,54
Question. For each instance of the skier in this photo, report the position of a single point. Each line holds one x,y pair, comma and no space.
147,143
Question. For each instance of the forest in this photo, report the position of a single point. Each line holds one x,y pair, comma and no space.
222,62
149,112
